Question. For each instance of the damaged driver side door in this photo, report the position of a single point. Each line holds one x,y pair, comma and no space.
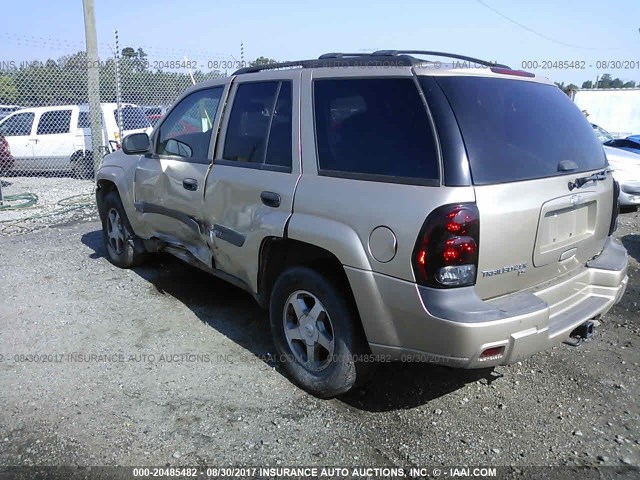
169,181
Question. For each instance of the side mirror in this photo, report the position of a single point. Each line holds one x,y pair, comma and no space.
136,144
180,149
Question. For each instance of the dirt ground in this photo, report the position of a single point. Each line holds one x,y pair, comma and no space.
165,365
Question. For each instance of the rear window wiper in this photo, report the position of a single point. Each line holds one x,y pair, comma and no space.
580,181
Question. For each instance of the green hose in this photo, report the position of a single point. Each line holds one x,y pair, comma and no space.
29,199
67,204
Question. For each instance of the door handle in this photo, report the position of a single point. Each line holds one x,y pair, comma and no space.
33,140
270,199
190,184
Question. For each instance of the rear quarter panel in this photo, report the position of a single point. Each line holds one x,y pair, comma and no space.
339,214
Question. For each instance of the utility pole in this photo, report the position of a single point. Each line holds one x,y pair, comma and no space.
93,80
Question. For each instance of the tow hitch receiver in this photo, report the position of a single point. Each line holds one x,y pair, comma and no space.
581,333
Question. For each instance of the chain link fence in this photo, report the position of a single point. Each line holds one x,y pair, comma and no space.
47,162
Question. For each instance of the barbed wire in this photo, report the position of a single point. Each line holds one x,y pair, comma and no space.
106,48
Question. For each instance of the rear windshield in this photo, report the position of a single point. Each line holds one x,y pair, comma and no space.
520,130
133,118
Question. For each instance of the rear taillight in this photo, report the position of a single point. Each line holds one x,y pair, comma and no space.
616,208
446,252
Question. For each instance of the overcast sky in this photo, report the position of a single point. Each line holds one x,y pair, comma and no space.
510,32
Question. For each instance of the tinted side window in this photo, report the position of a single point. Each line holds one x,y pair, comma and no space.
186,131
246,138
280,139
375,127
519,130
18,125
54,122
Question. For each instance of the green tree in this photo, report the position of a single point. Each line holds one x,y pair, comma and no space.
587,84
132,59
630,84
128,52
605,81
616,83
262,61
8,90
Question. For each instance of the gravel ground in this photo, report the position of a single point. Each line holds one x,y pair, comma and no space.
181,375
60,201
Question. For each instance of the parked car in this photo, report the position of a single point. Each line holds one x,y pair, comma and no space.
58,138
401,211
625,163
8,109
154,114
631,143
6,160
626,171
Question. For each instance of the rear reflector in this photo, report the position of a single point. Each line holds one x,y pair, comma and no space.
492,353
508,71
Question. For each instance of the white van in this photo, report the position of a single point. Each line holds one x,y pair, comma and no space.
58,138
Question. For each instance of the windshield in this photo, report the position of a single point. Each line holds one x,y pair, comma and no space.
519,130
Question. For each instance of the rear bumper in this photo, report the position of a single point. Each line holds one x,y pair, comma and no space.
453,327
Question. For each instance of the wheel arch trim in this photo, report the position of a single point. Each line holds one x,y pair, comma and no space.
335,237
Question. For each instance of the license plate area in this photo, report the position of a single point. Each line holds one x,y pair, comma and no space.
561,228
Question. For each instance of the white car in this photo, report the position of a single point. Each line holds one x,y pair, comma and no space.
58,138
626,171
6,110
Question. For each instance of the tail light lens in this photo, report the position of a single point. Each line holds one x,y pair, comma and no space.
616,208
446,252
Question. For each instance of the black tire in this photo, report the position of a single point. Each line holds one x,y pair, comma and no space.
82,165
117,235
628,209
344,369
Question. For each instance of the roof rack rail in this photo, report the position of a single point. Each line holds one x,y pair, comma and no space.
341,55
271,66
402,57
333,60
439,54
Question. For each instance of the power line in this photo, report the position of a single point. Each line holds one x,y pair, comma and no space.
541,35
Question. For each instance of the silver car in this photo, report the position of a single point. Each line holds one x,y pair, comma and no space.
626,169
381,207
